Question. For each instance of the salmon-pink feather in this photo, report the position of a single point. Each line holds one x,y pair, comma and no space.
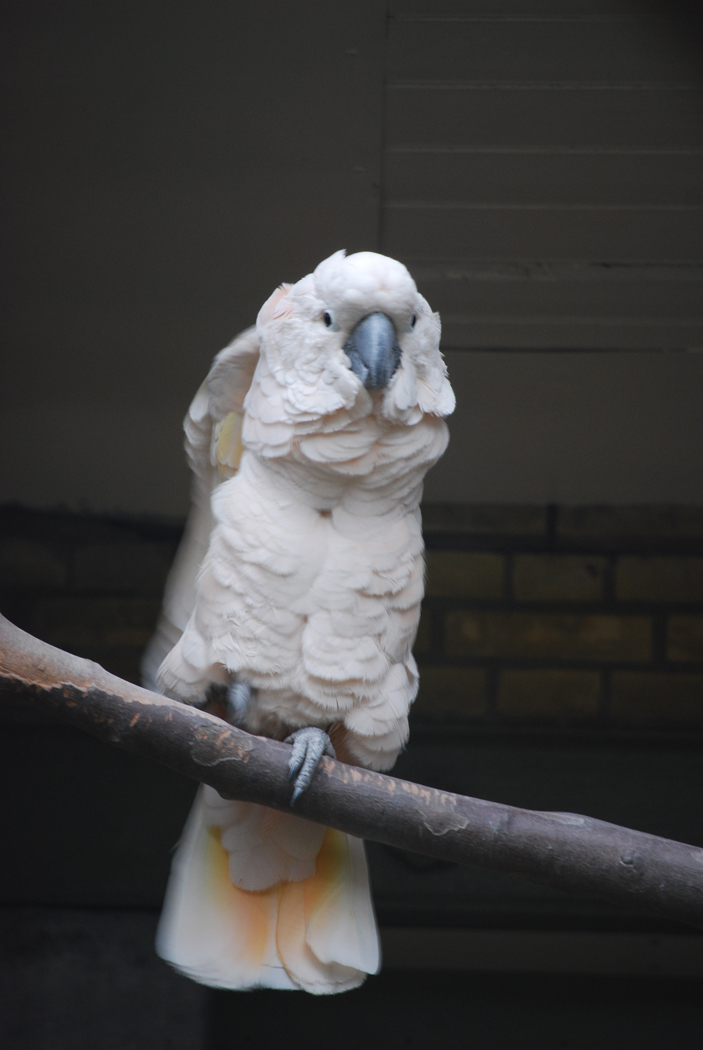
301,575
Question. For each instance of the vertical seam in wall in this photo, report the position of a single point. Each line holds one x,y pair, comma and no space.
551,526
659,619
382,159
605,695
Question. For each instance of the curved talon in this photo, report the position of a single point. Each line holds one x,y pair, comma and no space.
237,701
309,745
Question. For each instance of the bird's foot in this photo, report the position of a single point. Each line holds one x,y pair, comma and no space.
238,698
309,745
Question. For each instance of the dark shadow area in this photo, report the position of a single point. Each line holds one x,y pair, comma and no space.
89,980
446,1011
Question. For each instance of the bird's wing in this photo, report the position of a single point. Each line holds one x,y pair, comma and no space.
213,429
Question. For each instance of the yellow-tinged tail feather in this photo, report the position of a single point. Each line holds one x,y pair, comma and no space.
316,933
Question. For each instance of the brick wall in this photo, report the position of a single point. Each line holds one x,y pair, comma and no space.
544,615
544,633
87,584
563,615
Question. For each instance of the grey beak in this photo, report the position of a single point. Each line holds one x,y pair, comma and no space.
373,351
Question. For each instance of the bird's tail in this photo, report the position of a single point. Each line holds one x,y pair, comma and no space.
264,899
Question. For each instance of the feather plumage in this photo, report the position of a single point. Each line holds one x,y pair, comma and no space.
302,577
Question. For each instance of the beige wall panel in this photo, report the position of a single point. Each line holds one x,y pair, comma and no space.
599,291
587,307
544,177
494,116
531,49
637,234
573,428
516,8
550,332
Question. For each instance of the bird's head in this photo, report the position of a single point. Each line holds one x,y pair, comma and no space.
355,334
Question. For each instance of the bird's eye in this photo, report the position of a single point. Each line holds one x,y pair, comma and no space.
413,320
327,318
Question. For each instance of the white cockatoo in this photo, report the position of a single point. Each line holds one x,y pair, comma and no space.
296,594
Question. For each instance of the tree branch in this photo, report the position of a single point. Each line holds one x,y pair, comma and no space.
562,850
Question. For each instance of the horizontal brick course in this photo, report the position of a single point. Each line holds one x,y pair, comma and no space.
458,574
657,522
659,579
558,577
140,567
684,638
639,697
81,622
485,519
459,692
92,586
549,694
423,638
557,636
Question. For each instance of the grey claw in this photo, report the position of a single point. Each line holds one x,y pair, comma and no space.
237,702
309,745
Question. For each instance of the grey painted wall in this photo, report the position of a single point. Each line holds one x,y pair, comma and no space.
168,165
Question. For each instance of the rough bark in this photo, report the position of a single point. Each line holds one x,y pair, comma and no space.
563,850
